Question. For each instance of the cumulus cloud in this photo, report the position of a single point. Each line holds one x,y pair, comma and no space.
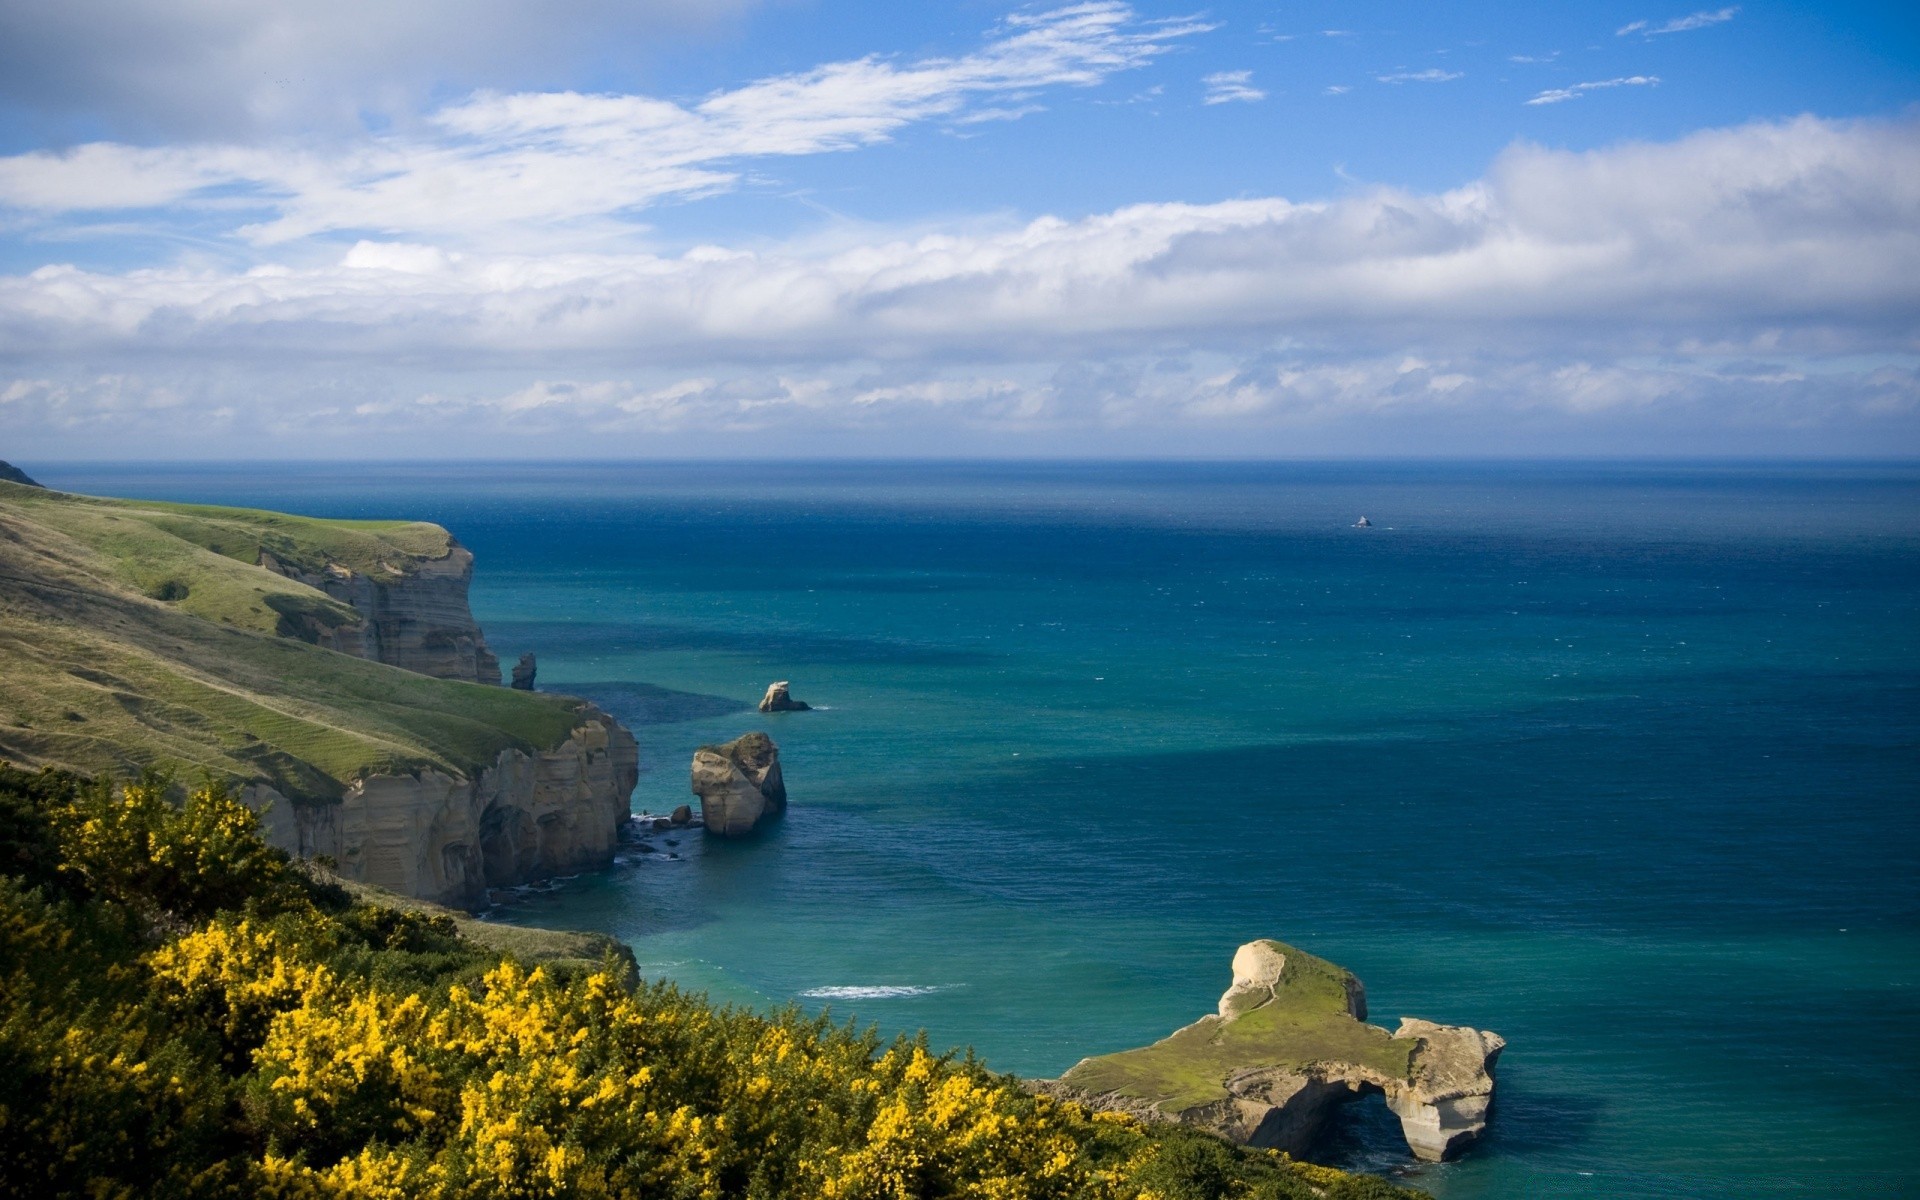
1224,87
1804,225
1699,20
1632,279
1561,95
497,163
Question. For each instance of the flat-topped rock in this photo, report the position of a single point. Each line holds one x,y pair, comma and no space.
1288,1044
739,784
778,699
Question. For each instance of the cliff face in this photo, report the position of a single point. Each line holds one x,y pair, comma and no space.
1290,1043
443,837
416,617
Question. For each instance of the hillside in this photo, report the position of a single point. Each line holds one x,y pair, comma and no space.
135,633
184,1012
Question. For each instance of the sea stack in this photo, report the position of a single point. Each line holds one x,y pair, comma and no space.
1287,1045
524,671
778,700
739,784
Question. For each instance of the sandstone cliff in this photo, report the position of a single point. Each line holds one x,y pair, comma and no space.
1287,1045
445,837
414,613
739,784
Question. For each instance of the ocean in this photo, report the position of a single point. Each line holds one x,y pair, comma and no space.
1619,760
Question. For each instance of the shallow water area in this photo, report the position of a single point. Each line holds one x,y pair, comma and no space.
1618,761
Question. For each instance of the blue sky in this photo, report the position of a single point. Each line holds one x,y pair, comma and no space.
676,227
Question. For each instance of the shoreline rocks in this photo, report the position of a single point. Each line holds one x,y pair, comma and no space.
1289,1044
778,699
739,784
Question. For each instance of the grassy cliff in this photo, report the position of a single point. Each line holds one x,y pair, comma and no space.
136,633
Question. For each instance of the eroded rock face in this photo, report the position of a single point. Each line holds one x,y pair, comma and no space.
739,784
446,838
524,672
777,699
419,619
1288,1044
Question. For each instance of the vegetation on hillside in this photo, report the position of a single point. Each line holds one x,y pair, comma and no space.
135,634
184,1012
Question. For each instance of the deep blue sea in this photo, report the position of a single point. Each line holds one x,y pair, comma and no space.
1621,761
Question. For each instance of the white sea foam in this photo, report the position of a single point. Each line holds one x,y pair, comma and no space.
874,992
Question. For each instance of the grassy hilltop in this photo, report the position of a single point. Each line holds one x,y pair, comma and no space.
136,633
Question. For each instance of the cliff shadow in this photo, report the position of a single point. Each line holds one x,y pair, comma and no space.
647,704
601,638
1364,1135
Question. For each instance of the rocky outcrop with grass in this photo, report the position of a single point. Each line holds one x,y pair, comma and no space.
739,784
1290,1043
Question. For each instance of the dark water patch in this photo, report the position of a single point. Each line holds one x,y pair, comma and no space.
640,704
609,638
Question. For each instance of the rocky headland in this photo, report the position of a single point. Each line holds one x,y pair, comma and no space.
325,667
739,784
1287,1046
449,837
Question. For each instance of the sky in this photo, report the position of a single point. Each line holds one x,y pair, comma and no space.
739,229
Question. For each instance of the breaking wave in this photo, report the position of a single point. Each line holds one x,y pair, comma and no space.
875,992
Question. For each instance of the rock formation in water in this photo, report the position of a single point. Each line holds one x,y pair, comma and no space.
414,615
448,838
13,474
777,700
524,671
1288,1044
739,784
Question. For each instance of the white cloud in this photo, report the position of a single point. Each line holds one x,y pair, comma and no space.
1335,89
1699,20
1616,281
525,161
1561,95
1430,75
1548,57
200,66
1224,87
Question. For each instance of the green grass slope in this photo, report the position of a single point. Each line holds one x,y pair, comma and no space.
137,634
1305,1022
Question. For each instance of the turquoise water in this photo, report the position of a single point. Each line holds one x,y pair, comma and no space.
1619,761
